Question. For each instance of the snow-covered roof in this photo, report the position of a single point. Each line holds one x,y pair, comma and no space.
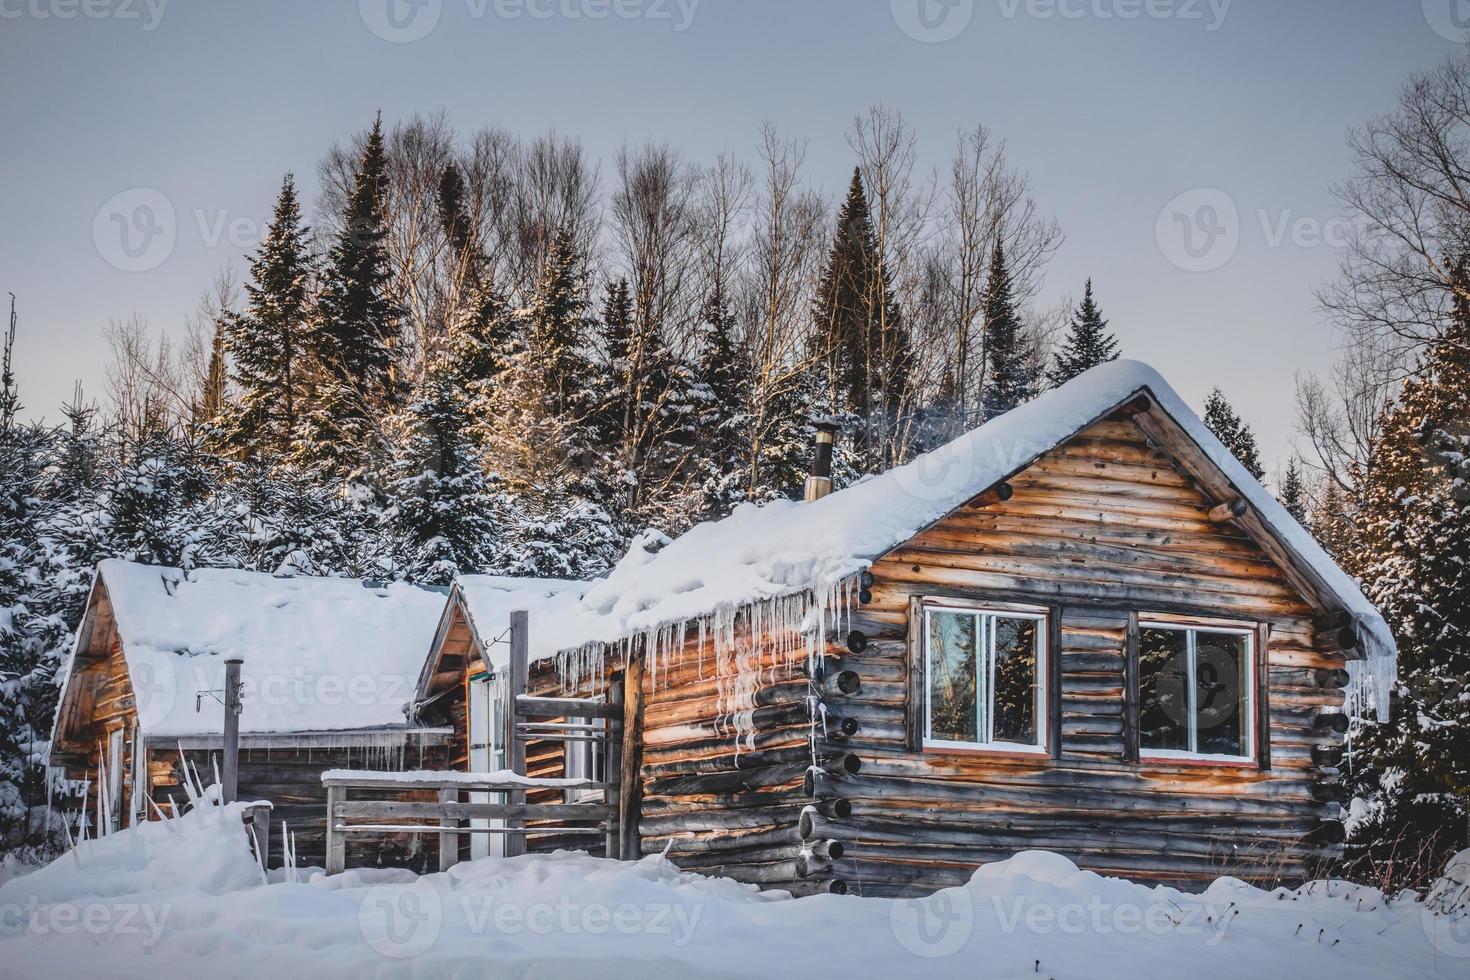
490,599
786,547
320,654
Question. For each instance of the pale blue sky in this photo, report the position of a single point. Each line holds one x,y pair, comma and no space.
1114,115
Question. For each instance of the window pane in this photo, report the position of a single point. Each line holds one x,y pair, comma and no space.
1220,683
1015,680
952,677
1163,675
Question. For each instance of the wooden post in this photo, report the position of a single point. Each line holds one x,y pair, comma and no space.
515,745
448,842
336,840
259,815
612,766
230,790
630,794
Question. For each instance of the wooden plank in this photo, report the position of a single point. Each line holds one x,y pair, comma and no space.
449,806
336,845
448,818
528,706
515,748
630,793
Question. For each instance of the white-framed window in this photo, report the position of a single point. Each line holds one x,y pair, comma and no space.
985,678
1196,691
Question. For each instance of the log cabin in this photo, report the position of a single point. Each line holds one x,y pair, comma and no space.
1081,627
329,667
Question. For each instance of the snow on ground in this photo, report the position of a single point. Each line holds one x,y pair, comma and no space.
185,899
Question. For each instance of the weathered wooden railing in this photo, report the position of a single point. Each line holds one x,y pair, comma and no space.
531,719
447,815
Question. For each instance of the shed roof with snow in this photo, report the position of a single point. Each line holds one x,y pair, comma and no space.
319,654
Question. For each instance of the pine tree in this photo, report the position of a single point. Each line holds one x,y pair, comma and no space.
720,470
356,328
1293,492
1010,380
442,513
1412,771
1088,342
266,342
30,632
862,339
1227,426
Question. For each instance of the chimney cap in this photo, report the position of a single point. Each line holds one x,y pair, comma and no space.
825,423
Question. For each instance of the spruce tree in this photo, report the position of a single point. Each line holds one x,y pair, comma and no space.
1088,343
442,509
862,338
1010,379
355,331
266,342
720,470
1411,772
1293,492
1227,426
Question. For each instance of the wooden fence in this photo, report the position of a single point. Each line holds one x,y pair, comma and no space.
448,815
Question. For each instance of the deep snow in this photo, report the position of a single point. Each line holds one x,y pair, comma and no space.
185,899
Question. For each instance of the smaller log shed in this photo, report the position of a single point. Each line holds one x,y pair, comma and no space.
1081,627
329,671
469,659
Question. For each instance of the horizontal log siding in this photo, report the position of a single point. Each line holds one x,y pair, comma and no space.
1102,525
721,802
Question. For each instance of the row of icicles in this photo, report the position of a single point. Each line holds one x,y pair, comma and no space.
793,627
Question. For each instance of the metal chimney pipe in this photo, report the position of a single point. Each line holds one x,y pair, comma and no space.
819,483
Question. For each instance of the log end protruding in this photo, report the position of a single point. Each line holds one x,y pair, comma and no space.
997,494
1331,721
1230,510
857,641
1332,677
846,682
